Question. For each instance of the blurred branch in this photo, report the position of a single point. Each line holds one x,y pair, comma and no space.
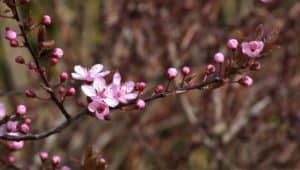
11,93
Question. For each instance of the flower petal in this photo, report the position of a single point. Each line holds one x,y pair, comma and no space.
112,102
99,84
117,78
103,74
80,70
77,76
129,86
96,69
131,96
93,106
88,90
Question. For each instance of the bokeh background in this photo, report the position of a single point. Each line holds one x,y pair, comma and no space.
232,128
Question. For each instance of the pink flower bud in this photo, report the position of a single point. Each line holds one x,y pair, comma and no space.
11,159
71,91
43,156
140,86
14,43
21,109
64,76
185,70
255,66
54,61
31,66
219,57
56,160
159,88
30,93
210,69
58,53
246,81
172,73
46,20
232,44
61,90
10,34
11,126
15,145
24,128
19,60
28,121
140,104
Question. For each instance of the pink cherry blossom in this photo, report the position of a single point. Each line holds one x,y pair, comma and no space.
89,75
100,93
253,48
122,92
100,109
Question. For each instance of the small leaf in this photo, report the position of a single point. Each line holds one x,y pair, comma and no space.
42,34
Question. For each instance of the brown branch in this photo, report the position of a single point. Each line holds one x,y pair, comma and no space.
47,133
65,124
35,57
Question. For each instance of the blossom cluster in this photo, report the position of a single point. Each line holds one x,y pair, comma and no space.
251,51
55,161
102,95
17,125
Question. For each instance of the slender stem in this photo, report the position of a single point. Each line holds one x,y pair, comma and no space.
35,56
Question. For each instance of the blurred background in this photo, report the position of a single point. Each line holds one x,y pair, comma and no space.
232,128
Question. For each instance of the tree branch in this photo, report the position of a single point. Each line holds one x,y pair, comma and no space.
35,57
65,124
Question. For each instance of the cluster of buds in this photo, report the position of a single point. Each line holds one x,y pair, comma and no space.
14,125
55,161
246,57
11,35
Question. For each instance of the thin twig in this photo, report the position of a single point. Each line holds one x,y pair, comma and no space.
35,57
